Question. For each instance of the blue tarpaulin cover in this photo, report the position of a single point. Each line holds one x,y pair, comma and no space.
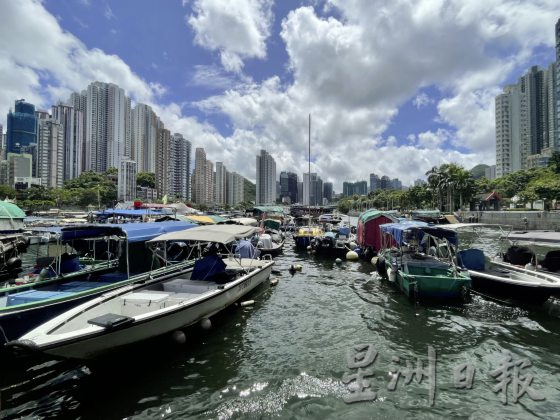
419,229
135,232
245,249
208,268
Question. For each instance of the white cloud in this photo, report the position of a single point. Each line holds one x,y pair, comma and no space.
351,71
421,100
237,32
109,13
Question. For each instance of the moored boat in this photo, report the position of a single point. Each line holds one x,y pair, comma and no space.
368,233
305,234
163,304
112,256
418,258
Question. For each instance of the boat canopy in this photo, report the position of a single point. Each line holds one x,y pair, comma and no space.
223,234
201,219
373,213
246,221
134,232
271,224
419,229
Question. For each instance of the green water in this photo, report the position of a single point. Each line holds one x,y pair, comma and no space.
285,357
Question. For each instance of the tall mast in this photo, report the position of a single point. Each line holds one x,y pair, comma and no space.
309,172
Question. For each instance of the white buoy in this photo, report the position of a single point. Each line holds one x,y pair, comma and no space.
391,274
179,337
338,261
273,282
248,303
352,255
374,260
296,267
309,247
205,324
353,245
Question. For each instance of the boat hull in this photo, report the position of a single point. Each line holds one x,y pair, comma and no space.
434,287
181,316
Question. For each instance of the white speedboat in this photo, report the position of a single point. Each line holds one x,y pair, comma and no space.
161,305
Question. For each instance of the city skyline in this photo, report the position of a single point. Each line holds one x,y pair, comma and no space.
237,95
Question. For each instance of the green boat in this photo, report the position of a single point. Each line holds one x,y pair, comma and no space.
419,259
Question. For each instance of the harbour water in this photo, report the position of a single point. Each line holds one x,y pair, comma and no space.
286,356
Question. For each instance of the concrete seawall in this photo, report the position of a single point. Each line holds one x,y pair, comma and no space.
529,220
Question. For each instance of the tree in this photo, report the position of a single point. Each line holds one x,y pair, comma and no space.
554,162
7,192
146,179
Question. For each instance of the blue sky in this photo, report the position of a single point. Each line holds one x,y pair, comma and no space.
394,87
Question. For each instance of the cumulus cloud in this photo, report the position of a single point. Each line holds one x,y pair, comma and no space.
237,32
352,67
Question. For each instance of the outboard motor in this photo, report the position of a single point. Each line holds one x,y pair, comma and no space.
518,255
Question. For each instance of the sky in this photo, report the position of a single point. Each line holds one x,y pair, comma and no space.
393,87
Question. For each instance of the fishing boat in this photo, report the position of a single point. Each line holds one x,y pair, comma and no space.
510,275
335,243
368,233
305,235
271,239
164,304
418,258
89,261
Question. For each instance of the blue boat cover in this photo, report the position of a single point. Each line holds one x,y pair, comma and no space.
208,268
419,229
471,259
135,232
344,231
245,249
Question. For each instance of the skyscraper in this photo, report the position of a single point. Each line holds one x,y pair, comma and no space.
181,181
220,184
328,191
164,162
203,190
21,130
266,179
107,126
78,101
234,188
145,124
288,187
50,153
127,180
525,122
557,90
374,182
312,190
72,125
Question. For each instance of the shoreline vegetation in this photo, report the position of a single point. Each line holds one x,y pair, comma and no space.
449,188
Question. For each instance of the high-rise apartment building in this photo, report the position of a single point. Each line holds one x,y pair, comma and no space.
21,130
72,126
107,126
50,152
126,186
202,180
374,182
557,90
354,188
234,188
78,101
181,179
312,190
145,125
164,162
220,197
266,179
525,122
